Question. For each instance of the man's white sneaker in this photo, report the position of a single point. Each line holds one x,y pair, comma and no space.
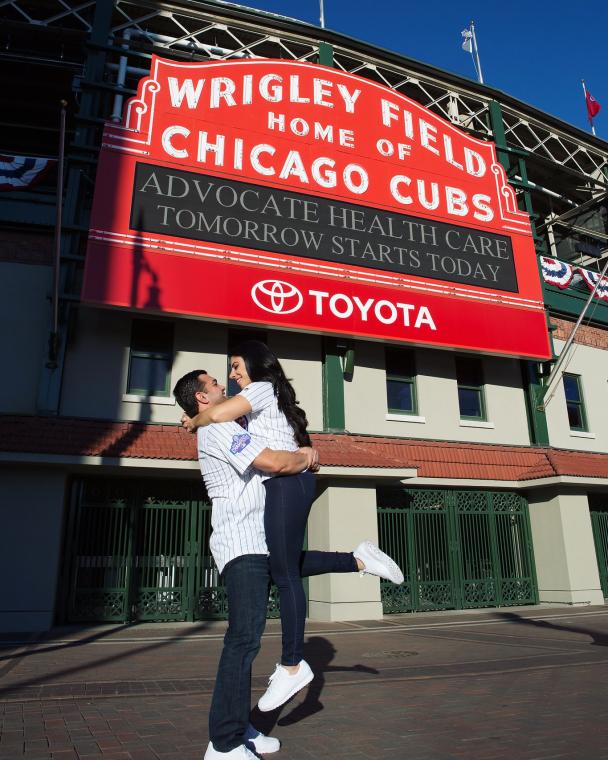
238,753
263,745
376,562
282,686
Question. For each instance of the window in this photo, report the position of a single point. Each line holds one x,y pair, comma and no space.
150,358
234,338
574,402
469,377
400,381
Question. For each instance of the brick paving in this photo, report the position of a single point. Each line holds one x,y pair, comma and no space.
522,684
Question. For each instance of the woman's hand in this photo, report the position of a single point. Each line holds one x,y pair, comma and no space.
312,458
200,420
188,423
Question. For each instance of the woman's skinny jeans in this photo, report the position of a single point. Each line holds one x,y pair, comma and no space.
288,502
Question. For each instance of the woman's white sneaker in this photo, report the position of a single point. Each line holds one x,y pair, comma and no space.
282,686
376,562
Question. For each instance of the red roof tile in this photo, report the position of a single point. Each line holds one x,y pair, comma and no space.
431,459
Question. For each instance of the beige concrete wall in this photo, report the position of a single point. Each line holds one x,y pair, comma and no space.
592,365
24,291
95,376
31,509
342,517
301,357
566,564
366,406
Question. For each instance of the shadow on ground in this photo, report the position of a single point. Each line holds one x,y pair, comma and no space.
319,653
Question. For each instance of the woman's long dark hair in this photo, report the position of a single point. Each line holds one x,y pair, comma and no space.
262,365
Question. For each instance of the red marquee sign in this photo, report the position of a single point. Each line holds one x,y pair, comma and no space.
296,196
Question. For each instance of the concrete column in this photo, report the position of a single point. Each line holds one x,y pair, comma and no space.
566,563
31,510
342,517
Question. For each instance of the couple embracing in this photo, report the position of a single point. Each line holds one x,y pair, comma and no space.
258,466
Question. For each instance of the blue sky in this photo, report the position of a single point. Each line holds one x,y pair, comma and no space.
536,51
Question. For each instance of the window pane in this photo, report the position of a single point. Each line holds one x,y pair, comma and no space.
468,371
469,400
399,362
152,336
575,417
400,396
148,375
571,387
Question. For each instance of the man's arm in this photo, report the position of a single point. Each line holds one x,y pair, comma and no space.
287,462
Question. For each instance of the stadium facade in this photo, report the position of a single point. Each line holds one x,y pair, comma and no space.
417,249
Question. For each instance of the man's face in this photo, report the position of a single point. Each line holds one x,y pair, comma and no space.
212,392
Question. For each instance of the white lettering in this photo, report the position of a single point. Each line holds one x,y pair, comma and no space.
318,295
255,159
222,88
349,181
327,178
400,179
334,300
168,145
349,98
187,89
216,147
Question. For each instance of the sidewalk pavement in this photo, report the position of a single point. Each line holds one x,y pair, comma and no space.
518,683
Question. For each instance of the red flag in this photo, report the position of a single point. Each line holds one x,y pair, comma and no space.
593,107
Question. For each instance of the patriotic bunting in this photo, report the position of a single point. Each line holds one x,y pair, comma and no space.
591,278
561,274
556,272
21,172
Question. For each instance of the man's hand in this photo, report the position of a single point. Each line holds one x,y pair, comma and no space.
188,424
312,458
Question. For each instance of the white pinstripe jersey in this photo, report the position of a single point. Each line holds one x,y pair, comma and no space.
266,421
225,453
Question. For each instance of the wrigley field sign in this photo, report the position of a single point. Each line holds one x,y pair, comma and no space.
296,196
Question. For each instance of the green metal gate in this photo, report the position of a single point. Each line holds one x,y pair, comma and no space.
599,523
457,549
139,551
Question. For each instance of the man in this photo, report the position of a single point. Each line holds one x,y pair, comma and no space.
231,460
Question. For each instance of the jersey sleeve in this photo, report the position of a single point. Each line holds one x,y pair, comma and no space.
232,443
260,395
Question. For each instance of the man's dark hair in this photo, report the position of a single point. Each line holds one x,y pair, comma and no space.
186,387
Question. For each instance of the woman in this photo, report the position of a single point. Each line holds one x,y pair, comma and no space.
268,402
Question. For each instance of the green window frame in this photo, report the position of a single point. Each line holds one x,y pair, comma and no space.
471,393
401,392
150,358
575,403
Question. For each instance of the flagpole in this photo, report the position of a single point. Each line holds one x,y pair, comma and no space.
54,336
322,18
479,74
589,117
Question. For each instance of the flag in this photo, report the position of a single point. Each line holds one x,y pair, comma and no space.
467,40
21,172
593,107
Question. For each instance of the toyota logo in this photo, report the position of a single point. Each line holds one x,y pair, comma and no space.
276,296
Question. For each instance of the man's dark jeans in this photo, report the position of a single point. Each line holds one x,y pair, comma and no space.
247,582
